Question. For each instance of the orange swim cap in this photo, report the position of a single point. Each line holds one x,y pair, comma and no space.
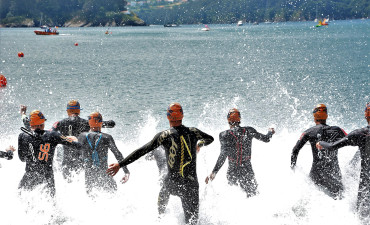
320,112
174,112
233,116
367,111
36,118
73,107
95,119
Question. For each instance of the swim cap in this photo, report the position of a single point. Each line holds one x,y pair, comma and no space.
36,118
320,112
73,107
95,119
233,116
174,112
367,111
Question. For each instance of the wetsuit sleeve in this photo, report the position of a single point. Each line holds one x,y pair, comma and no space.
203,138
22,149
26,122
352,139
108,124
297,148
116,152
222,157
150,146
261,137
8,154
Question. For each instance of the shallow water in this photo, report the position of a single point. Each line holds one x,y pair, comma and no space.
273,73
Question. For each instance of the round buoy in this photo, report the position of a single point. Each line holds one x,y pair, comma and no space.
2,81
76,44
20,54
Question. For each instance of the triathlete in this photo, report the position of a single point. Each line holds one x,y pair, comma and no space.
181,144
360,138
8,154
95,145
325,171
71,126
36,148
236,145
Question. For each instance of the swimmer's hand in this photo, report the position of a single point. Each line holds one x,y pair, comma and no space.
318,146
210,177
272,130
125,178
10,148
73,138
113,169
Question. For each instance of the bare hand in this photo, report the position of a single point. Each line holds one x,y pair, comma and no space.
210,177
113,169
10,148
125,178
198,149
318,146
23,109
272,130
73,138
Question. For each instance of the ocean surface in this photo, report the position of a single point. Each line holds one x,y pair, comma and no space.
273,73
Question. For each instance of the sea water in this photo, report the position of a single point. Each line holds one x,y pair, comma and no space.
273,73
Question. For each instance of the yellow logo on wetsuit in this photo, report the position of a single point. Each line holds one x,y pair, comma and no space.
171,157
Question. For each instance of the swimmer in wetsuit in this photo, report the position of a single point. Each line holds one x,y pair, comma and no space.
95,145
360,138
8,154
37,148
325,171
181,144
71,126
236,145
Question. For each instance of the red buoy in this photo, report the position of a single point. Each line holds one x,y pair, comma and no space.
76,44
2,81
20,54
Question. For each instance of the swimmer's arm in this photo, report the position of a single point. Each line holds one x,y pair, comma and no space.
262,137
352,139
117,153
300,143
203,138
150,146
22,149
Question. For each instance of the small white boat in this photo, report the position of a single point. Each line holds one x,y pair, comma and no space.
240,23
206,28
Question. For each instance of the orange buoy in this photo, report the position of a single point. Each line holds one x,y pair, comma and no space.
20,54
3,81
76,44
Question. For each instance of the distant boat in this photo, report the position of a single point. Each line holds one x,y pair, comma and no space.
47,31
325,22
206,28
171,25
255,23
240,23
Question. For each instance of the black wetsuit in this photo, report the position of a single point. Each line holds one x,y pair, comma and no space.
38,153
325,171
8,154
181,180
236,145
360,138
95,147
71,126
